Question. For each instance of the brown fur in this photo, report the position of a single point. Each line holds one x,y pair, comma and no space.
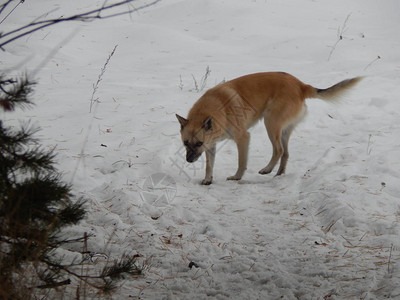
231,108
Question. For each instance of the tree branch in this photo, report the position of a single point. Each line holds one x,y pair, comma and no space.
82,17
3,7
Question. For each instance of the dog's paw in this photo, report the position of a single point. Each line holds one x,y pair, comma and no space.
234,177
265,171
206,181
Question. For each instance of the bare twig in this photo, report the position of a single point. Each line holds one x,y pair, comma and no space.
196,86
200,87
53,52
370,142
390,257
204,78
96,85
377,58
83,17
2,7
341,31
180,83
92,101
329,227
84,250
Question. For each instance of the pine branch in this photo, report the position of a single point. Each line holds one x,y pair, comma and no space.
127,265
57,242
20,154
71,214
54,284
14,92
35,205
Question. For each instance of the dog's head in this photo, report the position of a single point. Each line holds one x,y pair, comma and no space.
196,136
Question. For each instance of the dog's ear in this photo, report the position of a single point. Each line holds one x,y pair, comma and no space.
181,120
207,123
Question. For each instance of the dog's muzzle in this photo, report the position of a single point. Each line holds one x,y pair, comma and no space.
192,156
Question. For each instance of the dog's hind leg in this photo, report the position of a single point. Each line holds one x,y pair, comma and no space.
285,141
286,132
274,130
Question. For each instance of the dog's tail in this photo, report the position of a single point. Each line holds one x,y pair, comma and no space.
334,92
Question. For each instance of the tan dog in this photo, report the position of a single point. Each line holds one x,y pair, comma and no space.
231,108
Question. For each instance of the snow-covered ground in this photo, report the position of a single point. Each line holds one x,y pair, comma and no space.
328,229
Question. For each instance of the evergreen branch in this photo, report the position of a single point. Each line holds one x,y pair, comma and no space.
125,265
15,92
107,287
32,161
17,153
5,82
71,214
67,241
65,268
108,275
54,284
11,141
35,205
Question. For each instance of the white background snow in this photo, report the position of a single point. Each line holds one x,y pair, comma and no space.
328,229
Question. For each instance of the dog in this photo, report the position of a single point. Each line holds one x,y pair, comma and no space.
229,109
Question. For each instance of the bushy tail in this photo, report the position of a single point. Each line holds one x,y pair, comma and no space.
334,92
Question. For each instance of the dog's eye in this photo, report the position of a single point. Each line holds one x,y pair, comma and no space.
186,143
199,144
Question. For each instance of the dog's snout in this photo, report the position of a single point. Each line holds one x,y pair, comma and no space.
192,156
190,159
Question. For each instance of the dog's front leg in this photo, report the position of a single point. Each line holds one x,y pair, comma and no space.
242,142
210,158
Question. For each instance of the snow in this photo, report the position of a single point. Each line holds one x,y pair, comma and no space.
328,229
